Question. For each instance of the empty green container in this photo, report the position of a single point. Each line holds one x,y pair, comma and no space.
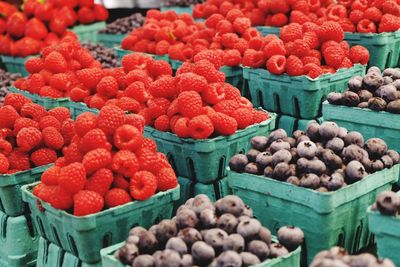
89,32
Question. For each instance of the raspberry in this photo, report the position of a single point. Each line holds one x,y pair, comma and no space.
120,182
223,124
334,56
143,185
366,26
241,24
107,86
60,81
135,60
232,57
345,47
291,32
214,93
373,14
213,56
162,123
294,66
87,202
181,127
191,82
356,16
228,40
116,197
48,91
346,63
29,138
389,23
276,64
125,163
33,111
68,130
51,175
93,139
138,91
275,47
4,164
307,60
49,121
279,7
16,101
60,113
391,7
206,69
8,116
5,147
34,65
166,179
330,30
200,127
96,159
72,154
136,121
241,45
312,70
231,92
159,68
243,116
89,77
226,106
280,19
52,138
72,177
97,101
190,104
100,182
359,54
300,48
158,107
60,198
43,156
128,104
259,116
110,118
55,62
254,59
19,160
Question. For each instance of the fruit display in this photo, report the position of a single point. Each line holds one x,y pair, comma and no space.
6,80
124,25
337,256
354,16
105,55
325,157
203,233
378,91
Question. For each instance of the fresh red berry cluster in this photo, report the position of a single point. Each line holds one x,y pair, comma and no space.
31,136
107,163
43,23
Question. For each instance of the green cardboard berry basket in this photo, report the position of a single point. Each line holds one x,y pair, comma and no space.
15,64
205,160
51,255
297,96
46,102
84,236
89,32
77,108
327,219
383,47
291,124
18,241
368,122
387,234
122,52
266,30
11,202
178,9
291,260
110,40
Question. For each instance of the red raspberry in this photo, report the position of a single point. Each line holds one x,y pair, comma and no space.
231,92
311,39
389,23
151,161
356,16
143,185
334,56
227,106
162,123
4,164
224,26
181,127
275,47
51,175
366,26
300,48
295,17
294,66
48,91
125,163
116,197
49,121
128,104
214,93
228,40
43,156
33,111
346,63
307,60
60,199
212,21
29,138
163,87
206,69
330,30
136,121
279,7
100,182
60,81
190,104
241,24
359,5
291,32
110,118
191,82
312,70
16,101
96,159
72,177
96,101
5,147
52,138
309,27
107,86
72,154
60,113
241,45
34,65
223,124
213,56
359,54
243,116
158,107
89,77
60,162
19,160
120,182
55,62
87,202
166,179
259,116
391,7
373,14
68,130
93,139
135,61
200,127
45,192
276,64
232,57
8,116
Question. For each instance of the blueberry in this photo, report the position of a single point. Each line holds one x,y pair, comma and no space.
396,84
394,156
385,263
363,259
350,99
189,235
355,83
127,253
393,73
230,204
316,166
238,162
227,222
292,142
307,149
376,147
263,160
281,171
331,160
387,92
279,145
291,237
352,152
248,211
303,138
147,243
248,228
342,132
334,98
249,259
133,239
281,156
328,130
355,171
202,253
185,217
229,259
167,258
336,145
265,235
394,106
165,230
143,261
201,202
252,168
234,242
293,180
208,218
335,182
258,248
388,203
215,237
372,81
137,231
177,244
387,161
268,171
354,138
312,131
298,133
310,180
322,262
259,143
363,105
377,104
374,69
252,155
187,260
277,134
365,95
277,250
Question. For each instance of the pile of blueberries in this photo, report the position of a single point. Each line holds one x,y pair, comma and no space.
6,80
387,203
338,257
206,234
325,157
124,25
379,91
107,56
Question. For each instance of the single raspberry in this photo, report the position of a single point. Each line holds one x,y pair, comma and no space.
259,116
158,107
21,123
356,16
89,77
162,123
213,56
72,154
60,113
110,118
55,62
243,116
373,14
96,159
116,197
136,61
138,75
253,58
143,185
128,137
125,163
346,63
72,177
223,124
19,160
5,147
87,202
51,175
34,65
241,24
107,86
232,57
294,66
166,179
300,48
291,32
60,162
120,182
359,5
389,23
366,26
149,144
181,127
191,82
49,121
43,156
228,40
16,101
200,127
136,121
60,199
275,47
93,139
8,116
138,91
330,30
4,164
206,69
280,19
37,189
309,59
312,70
159,68
100,181
227,106
345,47
241,45
52,138
214,93
29,138
60,81
48,91
390,7
334,56
68,130
359,54
190,104
33,111
163,87
276,64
